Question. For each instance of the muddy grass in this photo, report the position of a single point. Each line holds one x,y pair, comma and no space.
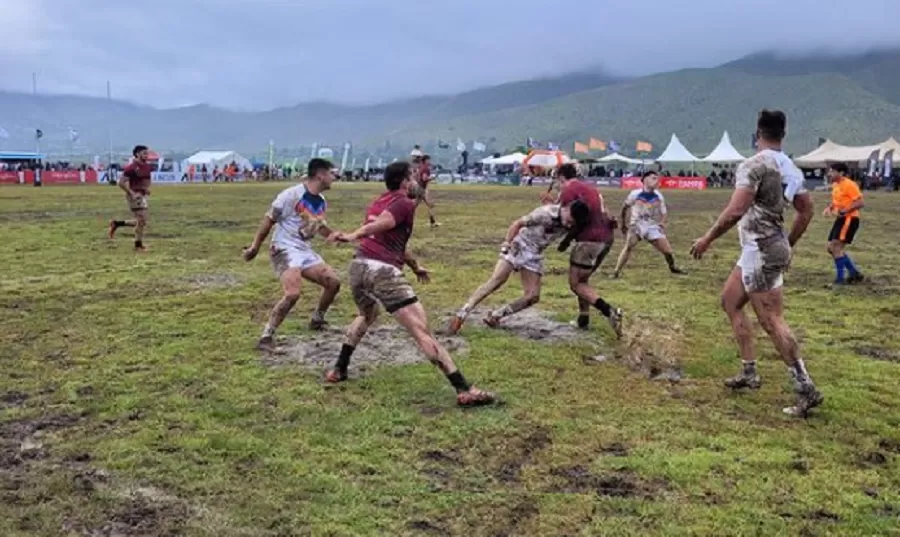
213,280
530,325
878,353
385,344
654,347
620,484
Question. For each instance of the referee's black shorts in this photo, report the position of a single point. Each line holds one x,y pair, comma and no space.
844,229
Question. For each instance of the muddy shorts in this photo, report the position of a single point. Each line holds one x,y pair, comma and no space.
647,231
763,264
524,259
291,257
373,282
421,192
138,202
589,255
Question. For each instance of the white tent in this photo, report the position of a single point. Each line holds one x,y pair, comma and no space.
724,152
217,158
832,152
616,157
676,152
506,160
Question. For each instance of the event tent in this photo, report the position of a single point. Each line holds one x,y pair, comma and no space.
724,152
832,152
506,160
676,152
217,158
616,157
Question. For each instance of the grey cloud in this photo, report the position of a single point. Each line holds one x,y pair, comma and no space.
266,53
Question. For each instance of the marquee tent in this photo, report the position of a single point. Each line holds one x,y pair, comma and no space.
724,152
217,158
506,160
676,152
616,157
832,152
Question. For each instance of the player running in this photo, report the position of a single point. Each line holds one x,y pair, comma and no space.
764,185
647,222
522,251
592,244
846,201
135,181
422,175
376,277
298,214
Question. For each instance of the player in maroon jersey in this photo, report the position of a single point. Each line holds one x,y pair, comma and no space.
136,184
376,277
422,176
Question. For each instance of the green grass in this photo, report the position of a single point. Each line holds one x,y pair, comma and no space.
132,400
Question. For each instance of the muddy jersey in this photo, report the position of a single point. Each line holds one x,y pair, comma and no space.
646,207
298,215
774,180
389,246
540,228
138,175
598,229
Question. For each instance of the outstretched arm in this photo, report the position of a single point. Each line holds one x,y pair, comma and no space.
384,222
803,204
739,204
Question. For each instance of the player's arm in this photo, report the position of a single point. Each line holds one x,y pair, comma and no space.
125,183
664,211
857,203
739,204
383,222
803,204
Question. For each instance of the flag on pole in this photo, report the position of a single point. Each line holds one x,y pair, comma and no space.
614,146
366,166
38,134
3,133
873,163
581,148
344,157
644,147
532,143
599,145
460,146
160,163
888,167
478,146
73,134
552,147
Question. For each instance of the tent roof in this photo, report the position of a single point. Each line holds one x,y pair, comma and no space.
616,157
211,156
724,152
512,158
20,155
676,152
833,152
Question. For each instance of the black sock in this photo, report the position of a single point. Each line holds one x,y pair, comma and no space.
603,306
670,259
458,381
138,244
431,218
343,361
119,223
583,320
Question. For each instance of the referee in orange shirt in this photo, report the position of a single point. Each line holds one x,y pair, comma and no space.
846,201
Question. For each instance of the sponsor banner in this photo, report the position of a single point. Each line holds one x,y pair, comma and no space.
61,177
165,177
11,178
674,183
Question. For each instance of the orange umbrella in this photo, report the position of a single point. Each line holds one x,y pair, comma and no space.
543,158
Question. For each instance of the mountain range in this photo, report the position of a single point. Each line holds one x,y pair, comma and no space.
851,99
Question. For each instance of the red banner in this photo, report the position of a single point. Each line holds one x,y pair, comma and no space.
675,183
9,178
63,177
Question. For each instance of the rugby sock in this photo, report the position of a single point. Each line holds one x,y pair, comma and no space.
603,306
749,367
848,263
458,381
584,320
670,259
431,219
268,331
343,360
799,373
839,268
138,244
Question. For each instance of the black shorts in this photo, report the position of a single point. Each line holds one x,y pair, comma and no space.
844,229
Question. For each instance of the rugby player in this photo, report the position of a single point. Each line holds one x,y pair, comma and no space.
764,185
592,244
422,176
522,251
135,181
647,222
376,278
298,214
846,201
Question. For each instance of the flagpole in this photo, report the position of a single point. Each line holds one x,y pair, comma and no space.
109,130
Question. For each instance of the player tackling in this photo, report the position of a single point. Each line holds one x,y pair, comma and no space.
298,214
376,278
764,185
522,251
135,181
647,223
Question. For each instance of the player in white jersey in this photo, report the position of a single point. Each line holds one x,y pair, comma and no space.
523,251
298,214
764,186
646,223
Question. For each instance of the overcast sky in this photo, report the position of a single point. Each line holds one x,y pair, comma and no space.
259,54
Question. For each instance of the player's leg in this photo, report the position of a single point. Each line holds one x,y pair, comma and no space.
585,259
631,240
141,217
412,317
361,287
324,276
836,249
661,243
291,281
134,205
734,298
531,295
583,320
429,202
502,270
845,237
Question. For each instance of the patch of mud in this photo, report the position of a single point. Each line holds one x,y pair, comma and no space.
213,281
13,399
878,353
520,453
653,347
620,484
217,224
871,459
383,345
614,450
531,325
